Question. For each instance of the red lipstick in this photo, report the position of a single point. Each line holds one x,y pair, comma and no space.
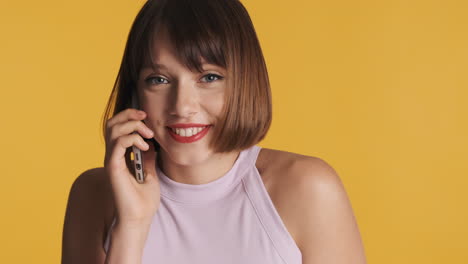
190,139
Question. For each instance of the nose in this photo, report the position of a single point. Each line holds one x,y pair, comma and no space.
184,101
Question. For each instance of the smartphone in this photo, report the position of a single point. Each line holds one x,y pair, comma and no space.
137,158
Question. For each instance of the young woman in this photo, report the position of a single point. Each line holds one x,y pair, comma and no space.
210,195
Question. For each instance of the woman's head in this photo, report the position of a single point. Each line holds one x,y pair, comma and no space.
196,40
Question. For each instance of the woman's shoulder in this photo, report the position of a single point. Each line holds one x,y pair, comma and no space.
288,165
286,173
96,184
292,178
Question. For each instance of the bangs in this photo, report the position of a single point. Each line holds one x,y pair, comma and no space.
194,34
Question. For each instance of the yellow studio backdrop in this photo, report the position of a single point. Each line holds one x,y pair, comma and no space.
378,89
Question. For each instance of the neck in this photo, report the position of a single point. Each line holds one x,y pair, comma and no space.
207,171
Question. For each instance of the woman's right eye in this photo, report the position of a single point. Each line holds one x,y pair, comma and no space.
149,80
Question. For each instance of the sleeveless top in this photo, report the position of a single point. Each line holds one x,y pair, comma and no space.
229,220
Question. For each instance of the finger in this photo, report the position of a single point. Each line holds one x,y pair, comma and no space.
123,116
129,127
117,158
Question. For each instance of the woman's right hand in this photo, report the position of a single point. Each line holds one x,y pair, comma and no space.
135,203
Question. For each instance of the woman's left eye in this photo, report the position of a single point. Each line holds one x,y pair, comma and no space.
149,80
213,75
210,77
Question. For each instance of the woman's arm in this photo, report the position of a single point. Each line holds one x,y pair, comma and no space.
127,244
83,229
89,202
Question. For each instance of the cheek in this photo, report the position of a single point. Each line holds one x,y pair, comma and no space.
214,103
155,112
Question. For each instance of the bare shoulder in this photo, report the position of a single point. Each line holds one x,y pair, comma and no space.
96,185
287,160
286,171
312,202
88,213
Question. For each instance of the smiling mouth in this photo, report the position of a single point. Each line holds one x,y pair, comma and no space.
188,135
188,132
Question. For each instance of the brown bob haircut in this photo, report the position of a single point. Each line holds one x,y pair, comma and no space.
221,32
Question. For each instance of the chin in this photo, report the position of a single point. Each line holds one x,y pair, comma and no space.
188,156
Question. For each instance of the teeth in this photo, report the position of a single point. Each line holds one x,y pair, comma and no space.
187,132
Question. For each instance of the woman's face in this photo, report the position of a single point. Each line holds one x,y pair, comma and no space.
172,96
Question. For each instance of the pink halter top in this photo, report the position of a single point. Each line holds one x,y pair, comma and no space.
229,220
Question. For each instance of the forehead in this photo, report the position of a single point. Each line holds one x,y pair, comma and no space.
163,56
176,51
160,50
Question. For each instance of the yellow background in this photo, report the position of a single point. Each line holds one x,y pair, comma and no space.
378,89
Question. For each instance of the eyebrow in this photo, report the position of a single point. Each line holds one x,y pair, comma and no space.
162,66
155,66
